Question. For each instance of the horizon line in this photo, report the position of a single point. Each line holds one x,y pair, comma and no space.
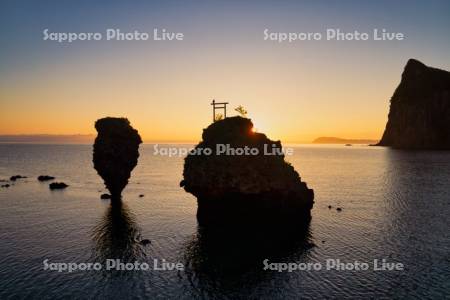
83,139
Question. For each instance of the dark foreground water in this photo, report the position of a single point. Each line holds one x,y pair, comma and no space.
395,206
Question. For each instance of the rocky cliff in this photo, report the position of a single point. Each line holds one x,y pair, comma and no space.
419,116
116,150
244,189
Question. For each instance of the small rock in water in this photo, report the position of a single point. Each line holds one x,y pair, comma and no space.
105,196
309,245
45,178
329,206
339,209
15,177
5,185
145,242
57,185
141,195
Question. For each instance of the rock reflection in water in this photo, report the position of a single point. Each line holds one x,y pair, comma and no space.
220,261
117,235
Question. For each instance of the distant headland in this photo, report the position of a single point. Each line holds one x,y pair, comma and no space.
337,140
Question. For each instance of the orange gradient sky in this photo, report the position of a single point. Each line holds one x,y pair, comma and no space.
293,92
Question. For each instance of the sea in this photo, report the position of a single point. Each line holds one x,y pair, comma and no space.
390,238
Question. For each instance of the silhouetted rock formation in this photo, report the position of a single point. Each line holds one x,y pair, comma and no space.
244,189
45,178
116,151
15,177
419,116
57,185
105,196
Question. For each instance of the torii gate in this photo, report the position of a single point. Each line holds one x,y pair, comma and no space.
219,105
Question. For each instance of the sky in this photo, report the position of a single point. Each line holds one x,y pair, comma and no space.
293,92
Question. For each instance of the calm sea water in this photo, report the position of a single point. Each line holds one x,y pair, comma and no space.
395,205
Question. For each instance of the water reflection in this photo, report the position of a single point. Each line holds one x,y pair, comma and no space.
219,261
414,179
117,235
416,195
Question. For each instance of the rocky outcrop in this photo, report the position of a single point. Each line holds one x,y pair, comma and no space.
253,189
45,178
105,196
419,116
57,185
15,177
116,151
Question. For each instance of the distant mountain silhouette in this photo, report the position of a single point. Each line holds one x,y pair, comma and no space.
336,140
48,138
419,116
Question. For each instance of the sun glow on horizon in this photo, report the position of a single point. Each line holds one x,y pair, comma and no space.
293,92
